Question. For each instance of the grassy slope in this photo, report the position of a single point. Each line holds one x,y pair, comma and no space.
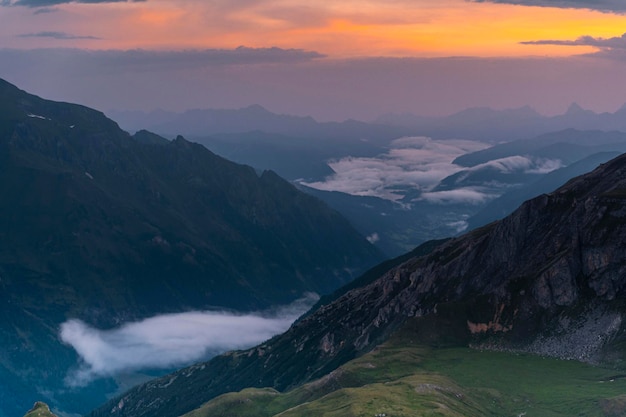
402,378
40,410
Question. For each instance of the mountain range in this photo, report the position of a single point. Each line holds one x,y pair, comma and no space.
206,122
479,123
486,124
470,196
107,228
549,279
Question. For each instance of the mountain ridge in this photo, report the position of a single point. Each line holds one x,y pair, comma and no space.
105,227
548,279
486,124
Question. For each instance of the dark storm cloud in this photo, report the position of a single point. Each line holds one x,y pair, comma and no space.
45,3
613,6
56,35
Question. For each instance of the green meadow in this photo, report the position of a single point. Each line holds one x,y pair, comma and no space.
401,379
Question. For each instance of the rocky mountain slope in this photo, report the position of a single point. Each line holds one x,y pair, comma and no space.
105,227
548,279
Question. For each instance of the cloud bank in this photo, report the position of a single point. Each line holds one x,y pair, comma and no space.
612,6
467,195
615,42
418,163
481,194
607,47
171,340
414,166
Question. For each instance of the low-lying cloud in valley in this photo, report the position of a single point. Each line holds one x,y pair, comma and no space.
171,340
414,166
419,162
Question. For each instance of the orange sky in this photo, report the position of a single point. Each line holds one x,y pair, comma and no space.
327,64
418,28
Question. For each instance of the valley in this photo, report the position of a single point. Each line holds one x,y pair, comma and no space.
240,262
102,229
279,208
546,280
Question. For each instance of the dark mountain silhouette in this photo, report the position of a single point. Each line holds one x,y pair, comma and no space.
107,227
548,279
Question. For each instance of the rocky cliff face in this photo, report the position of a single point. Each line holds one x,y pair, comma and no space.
550,279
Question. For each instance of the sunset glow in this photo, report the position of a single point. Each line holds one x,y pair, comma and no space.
331,60
347,29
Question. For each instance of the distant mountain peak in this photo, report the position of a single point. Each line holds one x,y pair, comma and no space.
576,109
621,110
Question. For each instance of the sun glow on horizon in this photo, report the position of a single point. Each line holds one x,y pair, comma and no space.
348,29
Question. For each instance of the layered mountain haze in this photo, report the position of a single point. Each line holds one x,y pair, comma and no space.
395,184
107,228
203,122
549,279
486,124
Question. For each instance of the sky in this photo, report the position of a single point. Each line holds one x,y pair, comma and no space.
332,60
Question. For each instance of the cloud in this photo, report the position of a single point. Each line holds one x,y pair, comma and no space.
88,61
373,238
519,163
44,10
459,226
55,35
469,195
172,339
544,166
412,163
618,42
45,3
193,58
611,6
613,48
416,165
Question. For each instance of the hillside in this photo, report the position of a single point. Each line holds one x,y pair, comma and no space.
105,227
549,279
405,378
